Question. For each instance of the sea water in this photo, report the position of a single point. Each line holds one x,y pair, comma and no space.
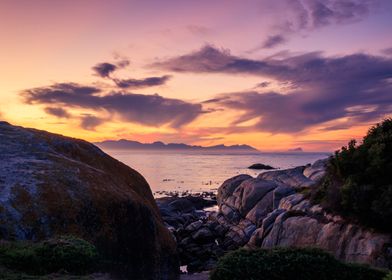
198,172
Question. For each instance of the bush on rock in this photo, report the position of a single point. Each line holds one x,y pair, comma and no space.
358,183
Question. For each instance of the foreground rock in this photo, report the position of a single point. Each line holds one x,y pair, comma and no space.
52,185
196,235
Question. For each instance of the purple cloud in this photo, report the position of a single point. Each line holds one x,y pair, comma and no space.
262,85
90,122
311,14
141,83
387,51
151,110
104,69
273,41
322,89
302,16
57,112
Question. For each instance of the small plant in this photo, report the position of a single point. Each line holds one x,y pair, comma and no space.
67,253
289,263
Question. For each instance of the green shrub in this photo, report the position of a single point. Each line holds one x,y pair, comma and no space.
289,263
64,253
388,277
358,183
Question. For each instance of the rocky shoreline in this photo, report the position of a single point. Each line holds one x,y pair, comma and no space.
268,211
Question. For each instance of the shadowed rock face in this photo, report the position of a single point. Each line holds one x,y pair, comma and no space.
51,185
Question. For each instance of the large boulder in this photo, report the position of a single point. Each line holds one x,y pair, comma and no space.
52,185
317,170
293,177
229,186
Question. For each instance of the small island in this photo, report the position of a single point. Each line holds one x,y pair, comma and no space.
260,166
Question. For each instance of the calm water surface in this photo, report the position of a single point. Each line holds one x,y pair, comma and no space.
169,171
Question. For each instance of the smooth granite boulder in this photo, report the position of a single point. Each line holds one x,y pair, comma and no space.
229,186
249,193
317,170
52,185
293,177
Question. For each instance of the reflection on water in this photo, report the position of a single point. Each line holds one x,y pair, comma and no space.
194,172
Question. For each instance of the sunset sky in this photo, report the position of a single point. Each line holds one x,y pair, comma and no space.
274,74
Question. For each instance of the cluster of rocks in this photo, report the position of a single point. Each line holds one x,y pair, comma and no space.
197,235
185,193
269,211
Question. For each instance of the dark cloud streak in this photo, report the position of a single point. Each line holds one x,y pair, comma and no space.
90,122
57,112
104,69
141,83
273,41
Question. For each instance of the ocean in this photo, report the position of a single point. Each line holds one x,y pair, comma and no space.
197,172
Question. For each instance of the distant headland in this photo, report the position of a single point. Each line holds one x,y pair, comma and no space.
160,146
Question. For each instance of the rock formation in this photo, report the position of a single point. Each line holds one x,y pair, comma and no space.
52,185
270,211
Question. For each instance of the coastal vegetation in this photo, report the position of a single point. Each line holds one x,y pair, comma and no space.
358,183
65,253
289,263
388,277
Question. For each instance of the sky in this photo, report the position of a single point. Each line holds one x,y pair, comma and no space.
276,75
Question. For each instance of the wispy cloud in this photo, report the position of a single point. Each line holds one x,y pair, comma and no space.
199,29
304,16
142,83
273,41
90,122
57,112
105,69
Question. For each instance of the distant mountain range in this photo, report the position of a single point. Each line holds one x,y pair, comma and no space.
160,146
